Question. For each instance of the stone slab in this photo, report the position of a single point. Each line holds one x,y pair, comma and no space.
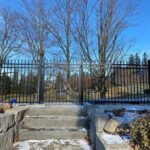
19,112
9,138
106,141
1,138
53,145
7,121
55,122
111,125
100,122
56,134
58,111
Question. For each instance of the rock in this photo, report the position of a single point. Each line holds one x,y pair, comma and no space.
3,146
6,121
106,141
19,113
1,138
92,112
100,121
9,138
17,128
111,125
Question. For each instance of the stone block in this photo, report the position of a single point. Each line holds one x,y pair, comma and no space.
19,113
55,134
92,112
16,130
58,111
3,146
71,122
1,138
100,121
111,125
106,141
9,138
7,121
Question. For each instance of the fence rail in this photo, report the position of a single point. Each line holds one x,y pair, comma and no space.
45,81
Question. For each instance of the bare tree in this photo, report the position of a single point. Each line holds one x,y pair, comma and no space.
82,30
82,33
61,30
9,42
34,28
35,35
112,18
61,25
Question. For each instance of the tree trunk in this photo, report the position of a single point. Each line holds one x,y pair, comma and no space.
68,77
102,87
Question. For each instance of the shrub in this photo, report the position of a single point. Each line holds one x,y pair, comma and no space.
140,131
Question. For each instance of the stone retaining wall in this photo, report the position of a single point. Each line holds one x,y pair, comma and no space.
10,123
100,125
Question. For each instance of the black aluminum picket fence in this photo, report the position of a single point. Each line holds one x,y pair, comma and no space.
57,81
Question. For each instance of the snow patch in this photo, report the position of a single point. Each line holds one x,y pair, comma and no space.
127,138
112,139
84,145
83,129
39,144
23,145
127,117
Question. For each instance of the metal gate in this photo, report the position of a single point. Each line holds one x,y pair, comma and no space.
62,82
58,81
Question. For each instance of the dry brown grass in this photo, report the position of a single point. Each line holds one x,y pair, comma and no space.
5,107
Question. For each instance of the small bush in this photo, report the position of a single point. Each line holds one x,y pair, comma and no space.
140,131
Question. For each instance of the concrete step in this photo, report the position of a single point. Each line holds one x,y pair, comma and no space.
58,111
55,122
68,144
53,134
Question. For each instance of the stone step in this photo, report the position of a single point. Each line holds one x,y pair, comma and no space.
55,122
25,134
58,111
69,144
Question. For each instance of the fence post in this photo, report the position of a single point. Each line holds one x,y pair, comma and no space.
41,82
81,83
149,74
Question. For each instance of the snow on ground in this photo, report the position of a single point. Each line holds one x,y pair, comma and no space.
111,139
130,114
127,138
42,144
127,117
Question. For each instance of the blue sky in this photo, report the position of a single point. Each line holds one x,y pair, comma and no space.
140,31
